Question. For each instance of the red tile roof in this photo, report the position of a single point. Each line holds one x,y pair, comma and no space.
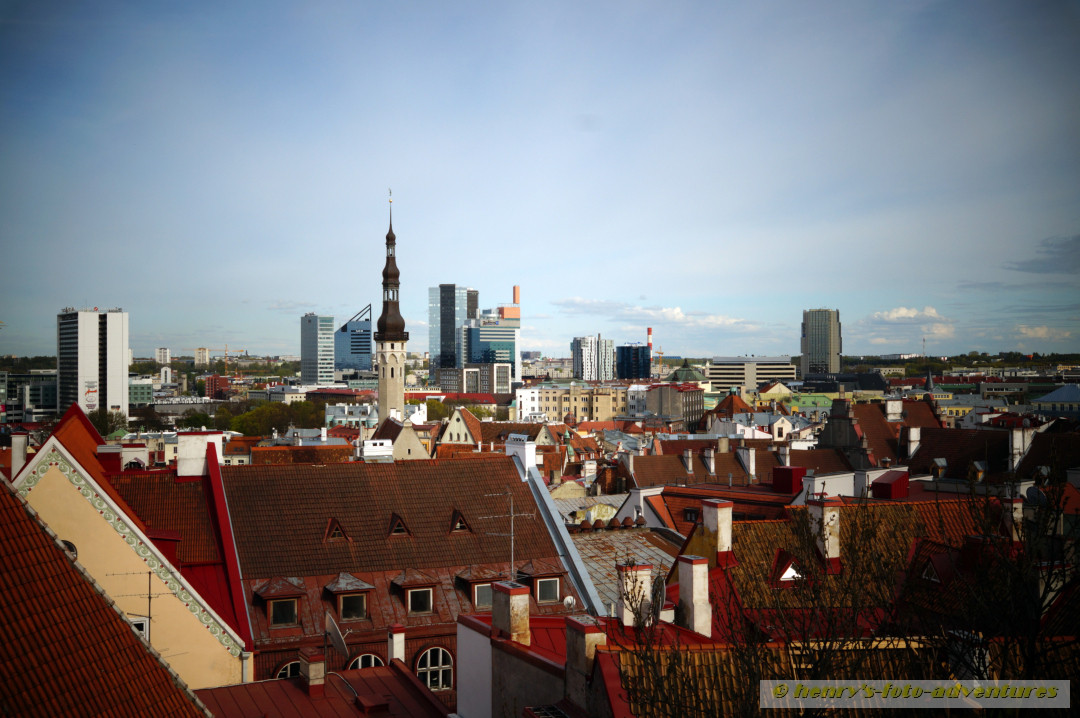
1057,452
395,685
822,461
960,448
163,503
64,650
333,454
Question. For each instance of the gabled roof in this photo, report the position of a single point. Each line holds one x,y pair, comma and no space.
960,448
472,424
279,515
64,648
163,503
822,461
1057,452
599,550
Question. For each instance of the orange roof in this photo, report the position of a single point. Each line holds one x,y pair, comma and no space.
64,648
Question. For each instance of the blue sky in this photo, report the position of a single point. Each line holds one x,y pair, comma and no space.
709,169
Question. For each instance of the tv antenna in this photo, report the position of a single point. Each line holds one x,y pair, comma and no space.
510,495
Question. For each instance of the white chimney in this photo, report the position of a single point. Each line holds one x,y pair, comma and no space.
18,452
825,524
1014,517
914,434
510,611
519,445
716,518
694,594
323,435
635,592
395,643
191,451
748,459
688,460
710,461
313,671
785,454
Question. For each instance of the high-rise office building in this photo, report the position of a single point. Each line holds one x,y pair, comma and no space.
92,359
449,307
494,335
821,344
316,349
391,337
633,361
352,343
162,355
593,358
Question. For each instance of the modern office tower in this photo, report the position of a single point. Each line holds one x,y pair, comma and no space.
162,355
352,343
594,358
316,349
92,359
449,307
391,337
746,374
633,361
493,336
821,344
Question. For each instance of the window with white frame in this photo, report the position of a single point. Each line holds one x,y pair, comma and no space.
367,660
352,606
283,612
547,590
482,595
436,669
420,600
141,624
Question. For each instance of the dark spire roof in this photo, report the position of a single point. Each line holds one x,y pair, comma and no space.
391,325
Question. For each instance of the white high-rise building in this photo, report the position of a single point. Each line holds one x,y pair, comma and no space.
162,355
594,358
202,356
316,349
92,359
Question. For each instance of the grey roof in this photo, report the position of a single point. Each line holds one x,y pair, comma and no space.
1069,394
600,550
566,507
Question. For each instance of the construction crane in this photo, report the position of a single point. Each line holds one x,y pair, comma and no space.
226,350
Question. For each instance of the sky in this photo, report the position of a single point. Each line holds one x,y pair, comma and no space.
707,169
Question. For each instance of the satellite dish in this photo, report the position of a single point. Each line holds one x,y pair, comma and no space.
336,638
569,602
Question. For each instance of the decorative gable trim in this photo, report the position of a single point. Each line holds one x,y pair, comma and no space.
335,532
53,454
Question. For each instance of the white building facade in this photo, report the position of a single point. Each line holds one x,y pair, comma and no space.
92,352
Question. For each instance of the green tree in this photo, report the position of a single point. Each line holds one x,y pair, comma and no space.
194,419
106,422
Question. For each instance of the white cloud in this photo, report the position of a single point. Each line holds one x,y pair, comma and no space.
940,331
1043,332
905,314
624,311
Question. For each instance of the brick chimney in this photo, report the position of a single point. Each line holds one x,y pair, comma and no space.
313,671
716,522
694,594
395,642
583,635
825,524
635,591
510,611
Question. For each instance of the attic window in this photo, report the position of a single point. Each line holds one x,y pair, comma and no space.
457,522
334,532
690,515
930,574
791,573
397,526
282,613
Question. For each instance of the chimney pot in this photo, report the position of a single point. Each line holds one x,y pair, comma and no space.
510,611
694,594
313,671
635,591
824,514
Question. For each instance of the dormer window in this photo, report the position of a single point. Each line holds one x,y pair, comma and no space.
547,590
282,597
419,600
791,573
352,606
283,613
334,531
482,597
930,574
457,523
397,526
690,515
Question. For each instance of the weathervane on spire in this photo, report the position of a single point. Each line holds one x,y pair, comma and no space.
391,193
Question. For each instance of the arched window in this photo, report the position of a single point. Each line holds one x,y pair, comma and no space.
367,660
289,670
436,669
70,548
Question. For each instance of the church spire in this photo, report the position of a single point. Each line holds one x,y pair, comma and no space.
391,325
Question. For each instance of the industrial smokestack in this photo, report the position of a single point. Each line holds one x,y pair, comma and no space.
517,294
650,338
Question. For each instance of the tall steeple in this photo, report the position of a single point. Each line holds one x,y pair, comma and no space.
390,337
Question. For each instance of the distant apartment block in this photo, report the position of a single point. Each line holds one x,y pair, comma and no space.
585,403
162,355
633,361
28,397
217,387
316,349
140,392
746,374
820,344
476,379
352,343
92,359
202,356
593,357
